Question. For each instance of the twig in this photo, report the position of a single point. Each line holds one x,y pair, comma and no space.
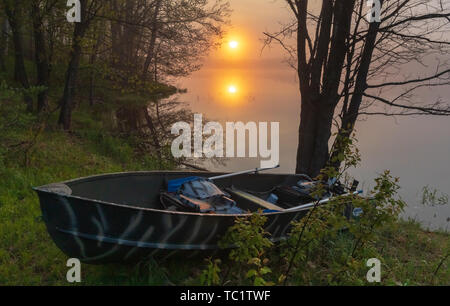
297,247
440,264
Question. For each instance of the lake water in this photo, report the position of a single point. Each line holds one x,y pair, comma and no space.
417,150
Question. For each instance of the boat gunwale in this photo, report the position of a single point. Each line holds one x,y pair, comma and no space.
142,173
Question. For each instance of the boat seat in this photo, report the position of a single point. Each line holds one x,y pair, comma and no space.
258,203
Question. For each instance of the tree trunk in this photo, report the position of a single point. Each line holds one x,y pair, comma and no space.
65,116
3,43
92,61
151,47
116,34
41,59
318,101
314,134
20,74
154,134
350,115
128,39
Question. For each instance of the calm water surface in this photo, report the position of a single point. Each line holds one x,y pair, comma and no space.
417,150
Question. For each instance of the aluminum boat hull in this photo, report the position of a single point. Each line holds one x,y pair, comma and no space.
119,218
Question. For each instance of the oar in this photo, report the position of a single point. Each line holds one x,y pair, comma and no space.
242,172
320,202
174,185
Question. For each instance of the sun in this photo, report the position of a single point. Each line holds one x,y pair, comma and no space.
233,44
232,89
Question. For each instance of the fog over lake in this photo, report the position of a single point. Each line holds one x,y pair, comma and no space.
415,149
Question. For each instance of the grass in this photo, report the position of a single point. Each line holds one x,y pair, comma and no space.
412,254
27,254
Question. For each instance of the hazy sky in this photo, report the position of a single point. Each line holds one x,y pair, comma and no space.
415,149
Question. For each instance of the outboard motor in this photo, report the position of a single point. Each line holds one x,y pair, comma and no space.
301,192
293,195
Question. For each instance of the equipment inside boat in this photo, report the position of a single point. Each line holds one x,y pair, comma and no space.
196,194
201,195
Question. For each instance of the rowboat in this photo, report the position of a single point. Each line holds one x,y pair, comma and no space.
120,217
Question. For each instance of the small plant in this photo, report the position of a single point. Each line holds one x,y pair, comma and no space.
259,271
247,237
250,243
211,275
432,197
380,207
